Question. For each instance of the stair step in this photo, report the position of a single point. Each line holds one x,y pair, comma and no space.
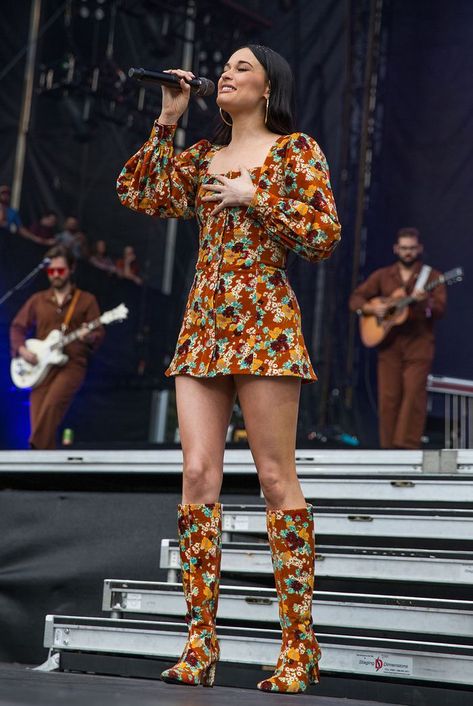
347,611
437,566
397,659
364,522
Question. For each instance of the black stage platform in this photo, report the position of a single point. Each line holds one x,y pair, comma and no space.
20,686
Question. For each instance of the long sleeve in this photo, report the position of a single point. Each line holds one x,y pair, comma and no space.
158,182
21,325
93,312
365,291
305,218
438,301
435,305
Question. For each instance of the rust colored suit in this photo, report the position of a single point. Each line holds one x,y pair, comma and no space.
50,400
404,357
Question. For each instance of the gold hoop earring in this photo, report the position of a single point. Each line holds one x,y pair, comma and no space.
266,112
225,121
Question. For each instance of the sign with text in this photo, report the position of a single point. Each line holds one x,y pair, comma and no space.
383,663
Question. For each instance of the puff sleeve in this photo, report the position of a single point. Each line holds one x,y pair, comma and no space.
158,182
304,218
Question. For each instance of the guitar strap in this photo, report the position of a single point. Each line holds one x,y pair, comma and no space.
421,281
70,311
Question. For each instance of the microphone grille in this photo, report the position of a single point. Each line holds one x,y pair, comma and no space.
135,73
206,88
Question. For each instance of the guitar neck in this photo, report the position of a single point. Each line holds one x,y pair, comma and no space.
405,301
120,313
74,335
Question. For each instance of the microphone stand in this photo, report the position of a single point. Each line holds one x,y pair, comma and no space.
24,281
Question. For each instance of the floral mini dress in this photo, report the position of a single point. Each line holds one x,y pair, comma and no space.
242,316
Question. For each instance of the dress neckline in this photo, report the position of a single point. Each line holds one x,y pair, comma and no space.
215,148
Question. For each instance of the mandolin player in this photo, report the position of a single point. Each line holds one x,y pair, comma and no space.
406,351
62,306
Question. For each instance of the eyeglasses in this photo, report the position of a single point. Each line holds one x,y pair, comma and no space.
59,270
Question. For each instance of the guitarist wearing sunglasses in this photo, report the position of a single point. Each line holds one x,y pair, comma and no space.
397,314
61,307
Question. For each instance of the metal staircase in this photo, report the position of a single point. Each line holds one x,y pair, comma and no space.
394,578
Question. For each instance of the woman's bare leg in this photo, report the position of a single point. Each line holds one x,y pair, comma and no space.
270,407
204,409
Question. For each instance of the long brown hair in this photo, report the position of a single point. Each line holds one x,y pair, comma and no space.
281,102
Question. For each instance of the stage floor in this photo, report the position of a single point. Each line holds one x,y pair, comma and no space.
20,686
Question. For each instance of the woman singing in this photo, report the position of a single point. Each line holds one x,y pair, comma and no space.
258,190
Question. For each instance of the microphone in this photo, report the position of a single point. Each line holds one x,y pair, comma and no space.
199,86
45,262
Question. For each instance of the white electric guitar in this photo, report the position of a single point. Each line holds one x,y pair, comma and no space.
50,351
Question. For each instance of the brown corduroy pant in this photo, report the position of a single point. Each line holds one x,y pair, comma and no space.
50,401
403,367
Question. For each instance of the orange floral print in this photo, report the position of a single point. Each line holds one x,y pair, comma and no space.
242,316
291,540
200,548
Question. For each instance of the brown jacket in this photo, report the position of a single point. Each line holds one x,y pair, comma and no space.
383,282
43,314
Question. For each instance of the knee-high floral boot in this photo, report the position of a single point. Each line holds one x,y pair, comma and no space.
291,539
200,544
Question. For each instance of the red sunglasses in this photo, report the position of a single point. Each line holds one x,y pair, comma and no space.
60,270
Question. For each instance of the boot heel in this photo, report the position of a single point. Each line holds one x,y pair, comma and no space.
208,677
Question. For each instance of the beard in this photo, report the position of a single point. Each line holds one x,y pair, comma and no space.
59,282
408,263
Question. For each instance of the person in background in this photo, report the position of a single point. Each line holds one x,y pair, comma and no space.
43,312
73,238
100,259
127,266
405,356
10,221
45,228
